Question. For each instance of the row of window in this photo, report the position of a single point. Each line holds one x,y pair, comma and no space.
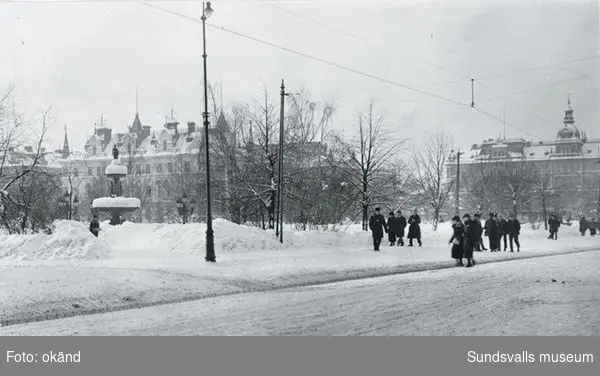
146,169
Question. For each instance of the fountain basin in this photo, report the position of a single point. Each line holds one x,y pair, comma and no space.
114,203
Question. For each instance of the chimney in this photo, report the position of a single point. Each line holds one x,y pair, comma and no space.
191,127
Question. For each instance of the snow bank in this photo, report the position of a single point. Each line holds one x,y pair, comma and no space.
70,240
159,240
116,203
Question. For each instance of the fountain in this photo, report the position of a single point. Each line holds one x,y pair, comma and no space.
116,205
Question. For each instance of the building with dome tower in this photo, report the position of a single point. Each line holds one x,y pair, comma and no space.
564,172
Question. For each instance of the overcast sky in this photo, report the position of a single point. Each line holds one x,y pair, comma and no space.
85,59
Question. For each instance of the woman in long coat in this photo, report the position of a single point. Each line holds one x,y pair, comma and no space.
391,232
457,240
414,229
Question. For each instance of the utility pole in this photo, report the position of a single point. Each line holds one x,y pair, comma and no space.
280,160
472,92
457,208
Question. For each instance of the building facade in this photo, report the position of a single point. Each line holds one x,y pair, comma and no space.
562,175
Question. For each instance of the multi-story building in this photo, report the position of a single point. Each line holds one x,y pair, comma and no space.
566,169
162,165
165,164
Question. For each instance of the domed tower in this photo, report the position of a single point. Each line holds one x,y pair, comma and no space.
569,139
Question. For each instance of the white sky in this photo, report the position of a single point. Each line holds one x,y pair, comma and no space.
85,59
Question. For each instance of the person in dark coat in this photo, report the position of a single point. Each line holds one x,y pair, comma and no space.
593,227
377,226
391,232
471,239
491,231
583,226
398,226
414,228
457,240
553,225
513,228
477,221
95,226
502,232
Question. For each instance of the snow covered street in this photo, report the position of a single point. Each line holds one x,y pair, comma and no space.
555,295
73,273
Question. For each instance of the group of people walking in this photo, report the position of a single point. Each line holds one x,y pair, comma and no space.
593,226
395,228
467,235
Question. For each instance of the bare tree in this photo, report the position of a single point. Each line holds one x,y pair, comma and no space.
22,168
368,158
430,174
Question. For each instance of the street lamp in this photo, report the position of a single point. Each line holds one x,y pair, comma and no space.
207,11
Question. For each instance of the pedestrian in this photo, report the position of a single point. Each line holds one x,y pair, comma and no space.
414,228
391,232
583,225
491,231
593,227
398,227
95,226
471,239
502,232
477,221
377,226
553,224
457,240
513,228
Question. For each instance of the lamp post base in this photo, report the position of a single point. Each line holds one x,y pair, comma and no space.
210,246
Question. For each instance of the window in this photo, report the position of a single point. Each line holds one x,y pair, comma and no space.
99,171
170,167
159,168
165,145
90,171
138,169
186,167
147,170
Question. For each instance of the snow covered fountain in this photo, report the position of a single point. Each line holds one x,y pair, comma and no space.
116,204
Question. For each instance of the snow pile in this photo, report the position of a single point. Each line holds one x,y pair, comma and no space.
70,240
116,203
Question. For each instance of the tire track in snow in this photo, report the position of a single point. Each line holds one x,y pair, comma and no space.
245,286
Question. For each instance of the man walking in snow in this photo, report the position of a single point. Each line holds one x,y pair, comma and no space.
502,232
414,228
399,225
553,224
491,231
477,222
471,239
377,226
513,228
95,226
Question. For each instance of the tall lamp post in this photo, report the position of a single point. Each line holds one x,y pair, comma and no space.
207,11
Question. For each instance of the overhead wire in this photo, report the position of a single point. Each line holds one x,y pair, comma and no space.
149,3
542,87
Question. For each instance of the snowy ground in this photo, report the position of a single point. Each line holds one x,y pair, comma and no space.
73,273
555,295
